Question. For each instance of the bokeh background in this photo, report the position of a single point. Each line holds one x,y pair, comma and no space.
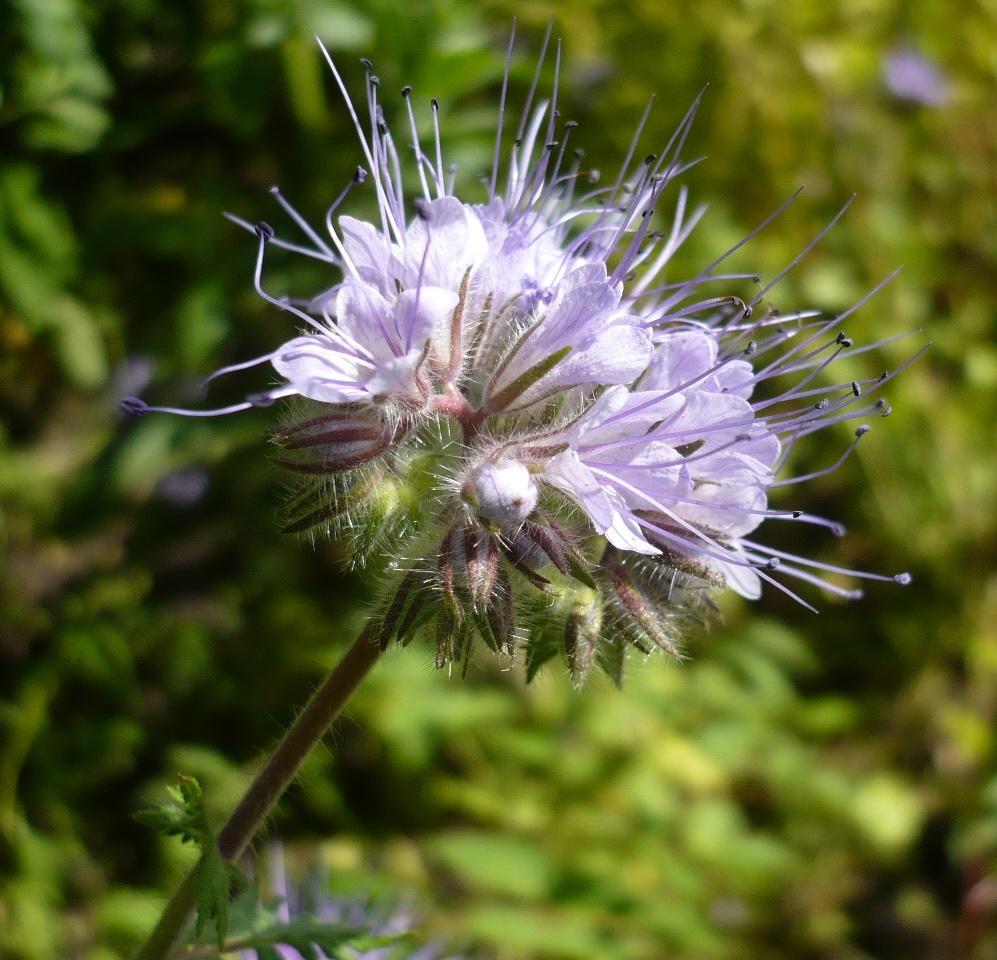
800,787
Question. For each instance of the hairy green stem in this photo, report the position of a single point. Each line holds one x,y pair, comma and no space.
269,786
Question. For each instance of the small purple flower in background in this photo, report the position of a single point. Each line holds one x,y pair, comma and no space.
310,901
910,75
548,441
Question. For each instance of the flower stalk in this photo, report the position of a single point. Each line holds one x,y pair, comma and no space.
269,785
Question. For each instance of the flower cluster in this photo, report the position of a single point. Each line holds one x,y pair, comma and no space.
549,443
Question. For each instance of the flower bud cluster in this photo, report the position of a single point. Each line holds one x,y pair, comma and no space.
547,444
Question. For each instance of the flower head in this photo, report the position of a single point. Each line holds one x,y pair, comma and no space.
547,442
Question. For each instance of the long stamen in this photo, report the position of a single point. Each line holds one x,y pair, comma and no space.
493,183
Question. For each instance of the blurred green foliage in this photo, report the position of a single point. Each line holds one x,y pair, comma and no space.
800,787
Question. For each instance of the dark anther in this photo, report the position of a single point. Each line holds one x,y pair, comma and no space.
360,175
772,563
261,399
887,410
884,375
750,348
264,231
797,514
823,404
434,103
845,341
743,437
382,127
376,81
655,236
840,338
571,124
862,431
650,158
422,208
518,142
134,407
406,91
550,146
856,389
367,65
903,579
748,311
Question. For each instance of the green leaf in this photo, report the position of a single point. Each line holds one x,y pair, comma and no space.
309,936
217,879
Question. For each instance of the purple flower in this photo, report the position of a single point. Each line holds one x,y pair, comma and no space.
506,398
311,900
910,75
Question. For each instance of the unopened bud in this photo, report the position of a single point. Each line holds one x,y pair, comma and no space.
503,492
645,615
482,564
582,630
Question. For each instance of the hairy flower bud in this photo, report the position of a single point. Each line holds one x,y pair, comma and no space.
502,493
582,632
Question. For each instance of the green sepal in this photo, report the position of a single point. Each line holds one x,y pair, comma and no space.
541,648
524,381
612,657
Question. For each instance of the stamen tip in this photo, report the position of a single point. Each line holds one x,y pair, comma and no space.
264,231
133,407
862,431
904,579
360,176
